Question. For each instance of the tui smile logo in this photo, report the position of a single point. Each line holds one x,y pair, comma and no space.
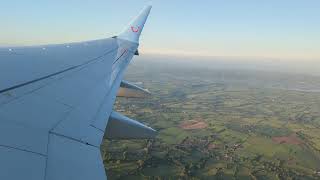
135,29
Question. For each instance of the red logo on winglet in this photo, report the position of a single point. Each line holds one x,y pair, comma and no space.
134,29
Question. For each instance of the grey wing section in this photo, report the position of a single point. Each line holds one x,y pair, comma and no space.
48,120
55,102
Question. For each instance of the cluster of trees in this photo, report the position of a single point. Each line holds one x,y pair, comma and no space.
258,165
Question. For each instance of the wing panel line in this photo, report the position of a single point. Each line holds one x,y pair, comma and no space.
56,73
10,147
73,139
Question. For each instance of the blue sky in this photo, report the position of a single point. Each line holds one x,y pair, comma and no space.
285,29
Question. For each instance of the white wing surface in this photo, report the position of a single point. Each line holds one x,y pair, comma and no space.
55,102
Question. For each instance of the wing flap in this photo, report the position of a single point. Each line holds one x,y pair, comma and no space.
26,121
70,159
122,127
16,164
28,139
130,90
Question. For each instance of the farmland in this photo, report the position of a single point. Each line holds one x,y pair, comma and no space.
219,123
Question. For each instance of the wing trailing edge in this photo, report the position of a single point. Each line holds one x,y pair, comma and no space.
130,90
122,127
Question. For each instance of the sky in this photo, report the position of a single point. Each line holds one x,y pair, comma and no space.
283,29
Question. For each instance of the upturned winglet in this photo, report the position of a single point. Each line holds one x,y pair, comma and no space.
133,31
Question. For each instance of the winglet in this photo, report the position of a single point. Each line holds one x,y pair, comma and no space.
133,31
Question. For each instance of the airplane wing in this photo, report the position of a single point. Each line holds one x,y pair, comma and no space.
56,103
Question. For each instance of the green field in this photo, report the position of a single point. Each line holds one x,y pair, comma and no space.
260,125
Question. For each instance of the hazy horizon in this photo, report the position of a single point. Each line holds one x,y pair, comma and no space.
308,67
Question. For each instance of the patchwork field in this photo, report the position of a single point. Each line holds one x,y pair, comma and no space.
219,124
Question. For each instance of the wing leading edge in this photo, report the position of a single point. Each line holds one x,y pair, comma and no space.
55,104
